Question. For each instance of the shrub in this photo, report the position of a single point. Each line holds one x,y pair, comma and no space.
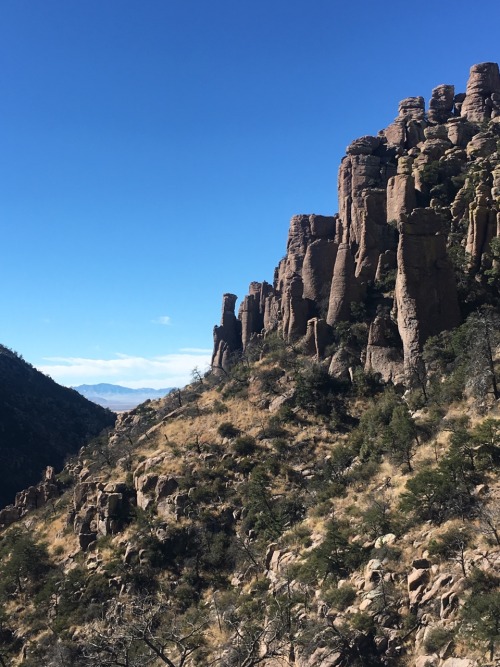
428,495
318,393
219,407
228,430
452,545
436,639
244,445
340,598
336,556
444,492
26,564
481,618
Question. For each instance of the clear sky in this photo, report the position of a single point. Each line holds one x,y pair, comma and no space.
152,153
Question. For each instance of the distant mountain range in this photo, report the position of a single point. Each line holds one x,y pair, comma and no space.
117,398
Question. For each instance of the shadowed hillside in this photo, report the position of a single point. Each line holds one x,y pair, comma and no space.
41,423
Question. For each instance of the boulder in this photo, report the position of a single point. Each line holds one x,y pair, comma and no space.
441,103
145,486
318,336
165,487
427,661
341,363
363,146
401,197
483,86
384,352
482,144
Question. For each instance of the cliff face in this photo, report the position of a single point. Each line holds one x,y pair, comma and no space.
412,200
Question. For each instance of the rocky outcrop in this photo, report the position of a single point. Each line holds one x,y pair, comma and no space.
482,96
345,288
99,509
31,498
362,202
401,195
252,310
227,336
425,294
408,128
441,104
428,183
384,352
482,222
303,278
317,337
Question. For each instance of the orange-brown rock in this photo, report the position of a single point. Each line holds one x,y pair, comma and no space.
482,224
384,352
408,129
345,288
404,196
362,202
251,312
227,336
401,197
425,293
482,93
295,309
441,103
318,335
317,269
460,131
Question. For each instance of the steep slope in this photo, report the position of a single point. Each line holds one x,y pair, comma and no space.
41,423
328,496
274,517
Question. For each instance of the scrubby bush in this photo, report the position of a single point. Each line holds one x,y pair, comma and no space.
340,598
336,557
441,493
318,393
452,546
244,445
25,564
436,638
228,430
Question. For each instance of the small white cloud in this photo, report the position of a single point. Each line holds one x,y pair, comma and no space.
163,319
170,370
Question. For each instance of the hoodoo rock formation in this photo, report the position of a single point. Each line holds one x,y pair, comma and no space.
227,336
413,200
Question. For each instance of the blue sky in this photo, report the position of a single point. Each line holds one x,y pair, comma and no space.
152,154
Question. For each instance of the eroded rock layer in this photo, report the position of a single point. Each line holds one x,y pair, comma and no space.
418,204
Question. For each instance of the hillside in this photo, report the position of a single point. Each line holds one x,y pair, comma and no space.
328,496
41,424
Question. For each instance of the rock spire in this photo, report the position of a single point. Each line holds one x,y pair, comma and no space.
419,194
